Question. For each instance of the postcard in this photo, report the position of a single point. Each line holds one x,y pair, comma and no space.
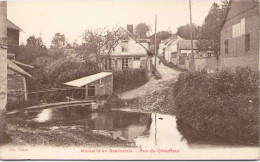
129,80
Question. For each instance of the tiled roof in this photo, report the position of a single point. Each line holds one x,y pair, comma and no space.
16,68
88,79
11,25
186,44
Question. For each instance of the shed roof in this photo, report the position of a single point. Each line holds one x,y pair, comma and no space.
186,44
88,79
13,66
11,25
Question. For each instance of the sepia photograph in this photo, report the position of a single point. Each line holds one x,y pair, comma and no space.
129,80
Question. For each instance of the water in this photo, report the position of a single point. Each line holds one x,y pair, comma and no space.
145,130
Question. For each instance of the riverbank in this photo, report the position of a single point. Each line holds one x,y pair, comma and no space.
65,136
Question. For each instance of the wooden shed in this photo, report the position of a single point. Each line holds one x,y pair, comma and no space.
95,85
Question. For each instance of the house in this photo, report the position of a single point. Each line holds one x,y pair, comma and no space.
239,35
128,52
170,52
16,76
162,46
13,32
184,50
94,85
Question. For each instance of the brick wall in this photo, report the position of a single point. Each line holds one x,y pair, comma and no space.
13,41
237,55
102,87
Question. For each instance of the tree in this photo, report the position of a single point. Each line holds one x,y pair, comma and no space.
58,41
160,36
184,31
98,42
209,38
34,48
141,30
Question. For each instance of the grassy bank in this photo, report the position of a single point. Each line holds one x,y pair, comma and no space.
64,136
224,104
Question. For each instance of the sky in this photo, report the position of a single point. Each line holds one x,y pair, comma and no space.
72,17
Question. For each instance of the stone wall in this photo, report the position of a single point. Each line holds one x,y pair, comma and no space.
103,86
237,55
16,88
3,54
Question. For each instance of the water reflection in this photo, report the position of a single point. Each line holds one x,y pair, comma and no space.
145,130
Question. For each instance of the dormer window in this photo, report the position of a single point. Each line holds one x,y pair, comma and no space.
125,46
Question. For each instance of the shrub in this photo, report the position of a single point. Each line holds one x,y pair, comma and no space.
222,104
128,79
3,136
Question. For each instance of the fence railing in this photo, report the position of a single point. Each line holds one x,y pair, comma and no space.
58,95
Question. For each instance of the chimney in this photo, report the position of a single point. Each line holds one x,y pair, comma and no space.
130,28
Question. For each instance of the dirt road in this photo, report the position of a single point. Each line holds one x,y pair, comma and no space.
153,85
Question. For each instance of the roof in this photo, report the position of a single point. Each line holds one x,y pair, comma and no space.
226,13
13,66
186,44
23,64
133,37
88,79
11,25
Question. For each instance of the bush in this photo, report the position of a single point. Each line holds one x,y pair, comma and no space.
222,104
124,80
3,135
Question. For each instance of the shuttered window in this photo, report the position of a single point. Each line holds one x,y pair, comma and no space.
226,46
247,42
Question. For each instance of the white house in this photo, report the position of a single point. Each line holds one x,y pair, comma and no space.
127,53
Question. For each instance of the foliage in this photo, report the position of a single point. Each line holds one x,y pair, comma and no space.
160,36
141,30
97,42
184,31
127,79
223,104
209,38
3,136
34,48
64,70
58,41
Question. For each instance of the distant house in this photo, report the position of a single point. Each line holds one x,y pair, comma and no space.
94,85
129,52
184,51
16,83
170,52
239,35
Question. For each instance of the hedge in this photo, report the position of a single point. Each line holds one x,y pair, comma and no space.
127,79
223,104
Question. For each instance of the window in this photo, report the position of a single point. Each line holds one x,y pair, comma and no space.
136,58
108,64
226,46
125,46
239,28
91,91
124,63
247,42
236,30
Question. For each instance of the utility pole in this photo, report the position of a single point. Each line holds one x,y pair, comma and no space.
155,46
192,63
